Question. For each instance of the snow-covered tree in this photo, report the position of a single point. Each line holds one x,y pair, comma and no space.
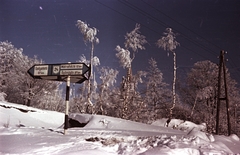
137,107
168,43
15,82
157,95
89,35
84,97
200,92
7,52
108,79
133,41
124,57
2,96
52,100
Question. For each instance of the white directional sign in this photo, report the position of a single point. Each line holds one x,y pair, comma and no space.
79,72
40,70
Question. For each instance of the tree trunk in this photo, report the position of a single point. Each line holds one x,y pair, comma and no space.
90,78
126,89
195,102
28,102
174,83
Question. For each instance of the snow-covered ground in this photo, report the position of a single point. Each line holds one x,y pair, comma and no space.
26,130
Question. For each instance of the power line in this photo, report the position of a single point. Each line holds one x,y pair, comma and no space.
231,62
181,24
144,25
166,25
124,15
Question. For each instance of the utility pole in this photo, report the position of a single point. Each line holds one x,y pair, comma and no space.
222,66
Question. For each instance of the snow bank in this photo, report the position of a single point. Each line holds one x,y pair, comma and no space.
26,130
180,124
111,123
21,115
168,151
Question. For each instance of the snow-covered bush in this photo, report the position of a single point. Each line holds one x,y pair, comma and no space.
16,83
2,96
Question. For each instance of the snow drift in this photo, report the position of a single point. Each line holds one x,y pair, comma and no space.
26,130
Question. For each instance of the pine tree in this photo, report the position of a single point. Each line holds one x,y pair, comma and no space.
157,96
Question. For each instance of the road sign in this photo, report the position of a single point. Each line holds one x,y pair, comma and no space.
79,72
68,72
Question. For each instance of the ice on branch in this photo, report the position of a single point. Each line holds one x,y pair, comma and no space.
89,33
135,40
168,41
95,60
83,59
124,57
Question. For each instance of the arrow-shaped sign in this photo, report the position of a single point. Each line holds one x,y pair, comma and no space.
79,72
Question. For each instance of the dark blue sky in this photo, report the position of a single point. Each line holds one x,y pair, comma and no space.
46,28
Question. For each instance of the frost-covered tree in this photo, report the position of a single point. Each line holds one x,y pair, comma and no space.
52,100
95,63
124,57
132,105
168,43
134,41
2,96
7,54
200,93
80,103
9,69
89,35
157,95
15,82
108,79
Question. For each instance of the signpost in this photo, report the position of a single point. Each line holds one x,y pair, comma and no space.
79,72
68,72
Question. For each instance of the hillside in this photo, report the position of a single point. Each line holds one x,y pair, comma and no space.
26,130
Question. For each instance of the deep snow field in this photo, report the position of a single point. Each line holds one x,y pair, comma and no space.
26,130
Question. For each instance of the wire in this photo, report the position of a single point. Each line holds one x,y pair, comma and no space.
231,62
166,25
146,26
181,24
182,34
